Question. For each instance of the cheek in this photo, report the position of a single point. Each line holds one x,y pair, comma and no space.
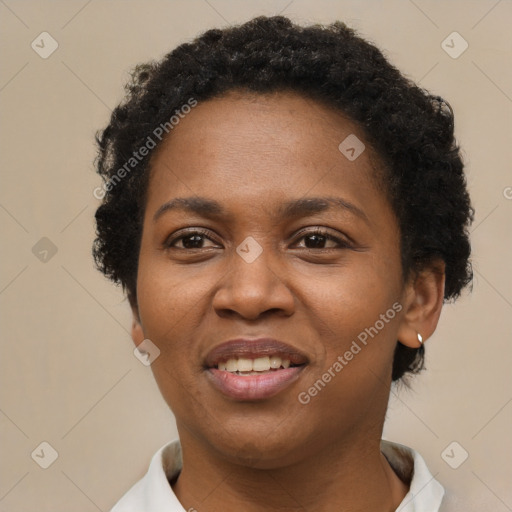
173,305
166,308
164,302
355,320
354,304
353,294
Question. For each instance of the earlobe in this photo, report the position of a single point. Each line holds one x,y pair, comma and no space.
137,334
137,331
424,301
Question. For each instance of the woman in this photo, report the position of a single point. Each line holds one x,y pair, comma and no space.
286,214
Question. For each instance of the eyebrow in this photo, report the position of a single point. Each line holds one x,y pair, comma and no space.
210,208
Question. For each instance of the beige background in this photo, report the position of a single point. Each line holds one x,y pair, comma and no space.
68,373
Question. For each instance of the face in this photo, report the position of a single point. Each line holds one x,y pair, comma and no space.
320,276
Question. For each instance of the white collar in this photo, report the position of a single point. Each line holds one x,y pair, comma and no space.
153,493
425,492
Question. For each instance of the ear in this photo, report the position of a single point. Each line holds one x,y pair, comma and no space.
422,305
137,331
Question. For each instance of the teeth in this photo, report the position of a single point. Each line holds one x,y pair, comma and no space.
261,364
244,365
253,366
275,362
232,365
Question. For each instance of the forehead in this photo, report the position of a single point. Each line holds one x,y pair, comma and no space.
251,144
247,120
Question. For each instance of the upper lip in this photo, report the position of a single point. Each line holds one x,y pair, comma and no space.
253,348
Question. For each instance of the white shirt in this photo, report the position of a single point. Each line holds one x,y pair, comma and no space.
153,493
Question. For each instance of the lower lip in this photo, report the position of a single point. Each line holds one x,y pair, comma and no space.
253,387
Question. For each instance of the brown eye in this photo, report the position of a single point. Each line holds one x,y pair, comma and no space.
191,240
317,239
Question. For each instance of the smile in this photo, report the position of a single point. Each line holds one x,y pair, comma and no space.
253,369
253,379
246,366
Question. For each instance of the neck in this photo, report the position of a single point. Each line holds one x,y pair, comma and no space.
346,476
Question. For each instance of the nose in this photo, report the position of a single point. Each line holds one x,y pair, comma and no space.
250,289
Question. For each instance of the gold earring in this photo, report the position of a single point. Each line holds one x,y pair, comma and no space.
420,338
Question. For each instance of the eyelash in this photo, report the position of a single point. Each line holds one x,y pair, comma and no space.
343,244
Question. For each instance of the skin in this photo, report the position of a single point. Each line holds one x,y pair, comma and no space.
251,153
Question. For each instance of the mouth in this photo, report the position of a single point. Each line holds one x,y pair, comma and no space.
257,369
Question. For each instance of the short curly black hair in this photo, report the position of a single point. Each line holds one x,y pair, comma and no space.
411,130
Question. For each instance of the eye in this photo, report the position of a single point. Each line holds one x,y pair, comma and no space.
316,238
192,239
